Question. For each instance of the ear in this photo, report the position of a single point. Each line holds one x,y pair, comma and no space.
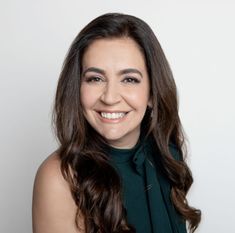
150,102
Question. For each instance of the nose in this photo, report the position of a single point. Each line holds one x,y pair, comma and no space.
111,94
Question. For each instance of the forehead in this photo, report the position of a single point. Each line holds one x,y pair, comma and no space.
117,52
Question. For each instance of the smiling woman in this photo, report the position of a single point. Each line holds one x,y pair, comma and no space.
120,166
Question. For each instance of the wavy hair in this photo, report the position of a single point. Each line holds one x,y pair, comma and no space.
95,184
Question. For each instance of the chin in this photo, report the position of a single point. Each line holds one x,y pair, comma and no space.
112,137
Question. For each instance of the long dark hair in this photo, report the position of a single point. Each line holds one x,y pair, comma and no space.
94,183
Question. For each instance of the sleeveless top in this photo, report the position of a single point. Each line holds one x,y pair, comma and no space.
145,191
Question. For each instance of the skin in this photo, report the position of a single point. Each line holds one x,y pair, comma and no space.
114,91
53,207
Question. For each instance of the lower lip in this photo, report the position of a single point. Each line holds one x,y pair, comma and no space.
106,120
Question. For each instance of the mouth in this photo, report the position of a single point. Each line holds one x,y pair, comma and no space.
112,116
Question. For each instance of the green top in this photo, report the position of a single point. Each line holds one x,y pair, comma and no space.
146,192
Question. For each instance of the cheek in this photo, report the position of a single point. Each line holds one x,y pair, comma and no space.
85,100
88,96
138,97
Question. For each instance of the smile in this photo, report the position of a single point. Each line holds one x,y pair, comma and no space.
116,115
112,117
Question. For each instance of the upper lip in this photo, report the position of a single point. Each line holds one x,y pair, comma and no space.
111,111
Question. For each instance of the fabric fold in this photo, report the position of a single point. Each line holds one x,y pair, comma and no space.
146,192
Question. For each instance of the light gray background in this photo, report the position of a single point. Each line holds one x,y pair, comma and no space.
198,38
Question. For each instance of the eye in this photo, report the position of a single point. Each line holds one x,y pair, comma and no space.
93,79
131,80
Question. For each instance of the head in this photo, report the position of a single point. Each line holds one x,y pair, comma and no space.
113,43
115,90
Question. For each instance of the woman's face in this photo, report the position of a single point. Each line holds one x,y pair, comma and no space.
115,90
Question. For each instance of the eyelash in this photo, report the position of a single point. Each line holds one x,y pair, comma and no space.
98,79
92,79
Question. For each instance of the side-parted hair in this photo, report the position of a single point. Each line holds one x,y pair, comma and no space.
95,184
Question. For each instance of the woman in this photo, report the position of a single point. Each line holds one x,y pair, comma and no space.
120,166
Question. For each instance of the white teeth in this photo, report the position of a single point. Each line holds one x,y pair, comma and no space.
113,115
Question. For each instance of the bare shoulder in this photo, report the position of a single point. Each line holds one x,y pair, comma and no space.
49,176
53,207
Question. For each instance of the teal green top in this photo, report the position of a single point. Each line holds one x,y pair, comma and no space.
146,192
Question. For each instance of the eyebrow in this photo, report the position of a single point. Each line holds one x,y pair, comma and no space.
101,71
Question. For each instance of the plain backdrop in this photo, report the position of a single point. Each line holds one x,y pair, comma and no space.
198,38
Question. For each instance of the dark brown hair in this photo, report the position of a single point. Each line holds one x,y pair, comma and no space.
95,184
